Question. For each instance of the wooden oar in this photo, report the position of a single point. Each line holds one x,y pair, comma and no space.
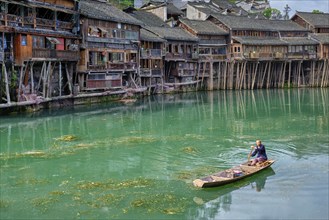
249,155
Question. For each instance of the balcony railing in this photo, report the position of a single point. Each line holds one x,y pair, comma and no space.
1,56
121,66
212,56
147,72
151,53
186,72
301,55
55,54
182,56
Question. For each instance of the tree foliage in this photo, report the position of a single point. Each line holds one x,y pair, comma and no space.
269,11
316,11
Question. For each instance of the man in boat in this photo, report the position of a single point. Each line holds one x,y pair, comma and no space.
259,149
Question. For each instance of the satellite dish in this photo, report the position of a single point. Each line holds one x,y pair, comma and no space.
206,1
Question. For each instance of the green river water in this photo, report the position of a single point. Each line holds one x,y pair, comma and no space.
138,161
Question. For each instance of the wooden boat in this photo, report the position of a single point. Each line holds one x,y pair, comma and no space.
231,175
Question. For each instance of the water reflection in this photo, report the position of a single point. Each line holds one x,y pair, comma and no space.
269,111
219,199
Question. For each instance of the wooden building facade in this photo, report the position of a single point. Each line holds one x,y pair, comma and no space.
109,49
268,53
181,56
40,47
152,61
212,50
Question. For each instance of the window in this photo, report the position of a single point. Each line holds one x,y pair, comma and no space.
116,57
38,42
131,35
24,40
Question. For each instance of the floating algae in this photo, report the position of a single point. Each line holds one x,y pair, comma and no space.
110,184
67,138
106,200
134,140
4,204
43,203
185,175
195,136
190,150
31,181
165,203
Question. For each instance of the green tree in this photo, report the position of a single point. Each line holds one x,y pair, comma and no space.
316,11
269,11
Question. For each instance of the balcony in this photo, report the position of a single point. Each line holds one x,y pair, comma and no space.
301,55
108,40
278,55
147,72
186,72
1,56
181,56
151,53
55,54
15,21
116,66
212,57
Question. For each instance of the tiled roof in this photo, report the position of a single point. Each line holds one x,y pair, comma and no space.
148,18
246,23
322,38
169,33
173,10
275,41
316,20
105,11
259,40
299,41
149,36
203,27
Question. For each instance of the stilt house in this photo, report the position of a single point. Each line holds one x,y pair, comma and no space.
39,42
212,49
109,50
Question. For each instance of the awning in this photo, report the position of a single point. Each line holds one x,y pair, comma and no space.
53,40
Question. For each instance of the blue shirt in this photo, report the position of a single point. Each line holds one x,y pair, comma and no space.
260,151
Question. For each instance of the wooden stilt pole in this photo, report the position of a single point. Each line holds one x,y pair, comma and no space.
289,74
60,78
21,75
283,74
69,78
32,78
211,77
4,70
218,74
254,76
269,75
